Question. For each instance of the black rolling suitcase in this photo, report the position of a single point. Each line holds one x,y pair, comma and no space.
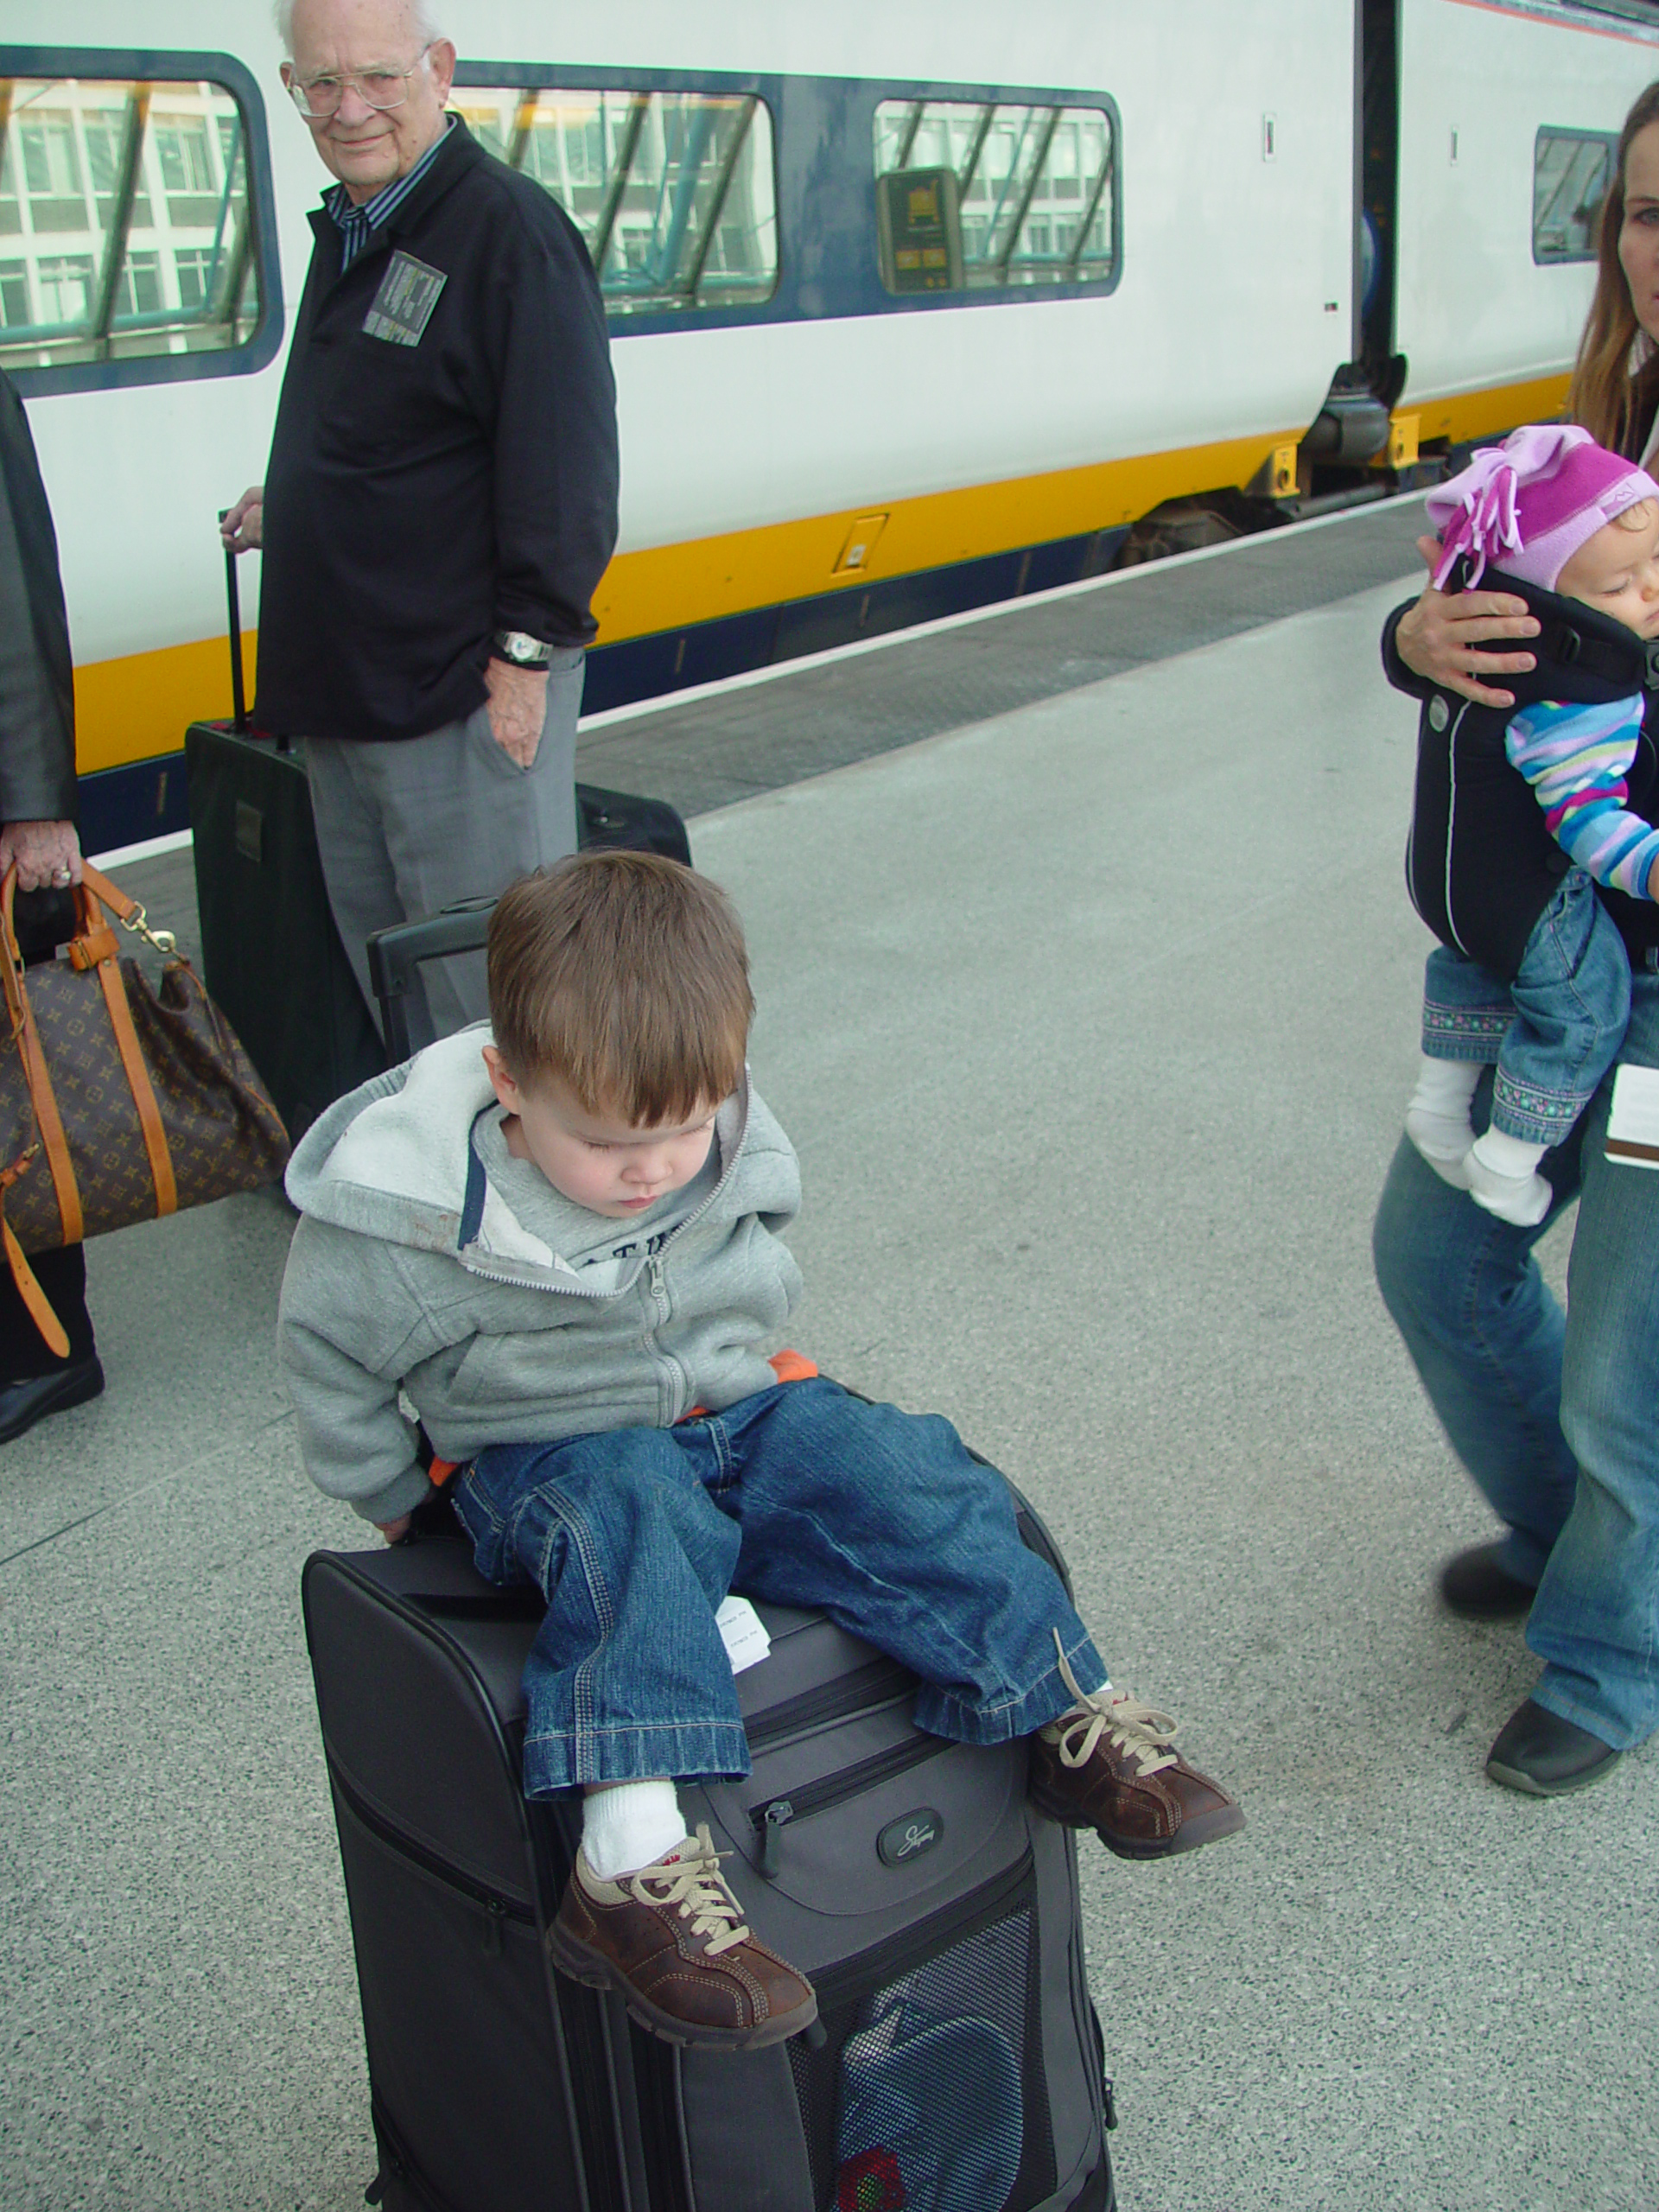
957,2065
272,956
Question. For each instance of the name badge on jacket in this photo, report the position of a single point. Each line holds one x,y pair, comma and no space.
402,306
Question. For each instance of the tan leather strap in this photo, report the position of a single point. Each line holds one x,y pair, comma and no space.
113,897
94,947
138,1082
33,1296
41,1094
86,951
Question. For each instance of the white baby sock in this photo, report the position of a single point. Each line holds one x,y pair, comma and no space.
1503,1178
627,1825
1437,1119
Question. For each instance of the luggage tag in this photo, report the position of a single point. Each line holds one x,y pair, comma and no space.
743,1633
1633,1124
402,306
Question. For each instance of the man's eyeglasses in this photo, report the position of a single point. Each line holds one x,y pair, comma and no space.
379,88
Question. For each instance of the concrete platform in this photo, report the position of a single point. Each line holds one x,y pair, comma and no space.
1093,1021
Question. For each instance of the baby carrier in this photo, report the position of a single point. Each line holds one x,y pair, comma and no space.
1481,865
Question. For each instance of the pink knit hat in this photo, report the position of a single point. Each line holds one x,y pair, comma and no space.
1528,504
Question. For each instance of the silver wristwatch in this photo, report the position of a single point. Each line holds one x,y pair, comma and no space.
521,648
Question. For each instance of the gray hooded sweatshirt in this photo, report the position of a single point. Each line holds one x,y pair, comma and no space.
429,1259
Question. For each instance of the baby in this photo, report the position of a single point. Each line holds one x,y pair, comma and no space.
1531,974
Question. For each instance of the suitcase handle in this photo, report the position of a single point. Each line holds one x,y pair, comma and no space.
396,955
233,601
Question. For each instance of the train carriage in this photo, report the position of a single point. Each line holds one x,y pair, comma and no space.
907,317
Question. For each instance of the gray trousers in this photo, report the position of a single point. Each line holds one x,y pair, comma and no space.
404,829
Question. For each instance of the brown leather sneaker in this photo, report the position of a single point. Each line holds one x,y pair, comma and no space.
1107,1765
671,1940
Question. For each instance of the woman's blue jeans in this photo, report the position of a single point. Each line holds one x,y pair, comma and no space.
1556,1418
802,1494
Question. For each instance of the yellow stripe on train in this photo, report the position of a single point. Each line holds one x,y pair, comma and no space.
137,707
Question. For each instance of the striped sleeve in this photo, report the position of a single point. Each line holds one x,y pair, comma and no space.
1576,757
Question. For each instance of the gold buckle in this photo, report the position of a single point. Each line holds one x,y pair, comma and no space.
164,940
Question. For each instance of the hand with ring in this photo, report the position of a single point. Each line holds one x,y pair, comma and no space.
1445,636
46,854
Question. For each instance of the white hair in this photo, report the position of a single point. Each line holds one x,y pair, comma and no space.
426,23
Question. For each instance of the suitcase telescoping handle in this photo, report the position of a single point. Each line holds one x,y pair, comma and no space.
396,956
233,601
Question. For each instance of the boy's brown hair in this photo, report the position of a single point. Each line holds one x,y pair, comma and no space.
623,977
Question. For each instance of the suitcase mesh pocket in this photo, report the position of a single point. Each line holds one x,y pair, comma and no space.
928,2092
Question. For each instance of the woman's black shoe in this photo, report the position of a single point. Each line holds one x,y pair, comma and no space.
1477,1588
1546,1756
21,1404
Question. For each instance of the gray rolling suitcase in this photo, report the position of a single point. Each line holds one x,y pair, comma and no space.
957,2065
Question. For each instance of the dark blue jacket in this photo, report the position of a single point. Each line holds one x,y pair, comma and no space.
421,496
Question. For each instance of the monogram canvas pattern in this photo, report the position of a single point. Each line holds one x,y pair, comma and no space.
223,1133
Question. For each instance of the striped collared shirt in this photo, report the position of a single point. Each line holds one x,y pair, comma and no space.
356,223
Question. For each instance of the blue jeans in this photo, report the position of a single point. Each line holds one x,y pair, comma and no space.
1555,1031
1556,1418
801,1494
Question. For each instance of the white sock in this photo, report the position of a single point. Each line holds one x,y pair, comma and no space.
1437,1119
1503,1177
628,1825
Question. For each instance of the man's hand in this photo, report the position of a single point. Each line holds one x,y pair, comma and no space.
47,854
394,1531
243,525
518,708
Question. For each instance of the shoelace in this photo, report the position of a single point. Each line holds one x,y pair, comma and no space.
694,1886
1138,1730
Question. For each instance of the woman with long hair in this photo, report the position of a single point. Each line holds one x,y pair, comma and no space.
1614,395
1556,1416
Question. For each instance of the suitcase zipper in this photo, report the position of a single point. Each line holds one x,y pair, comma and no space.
769,1821
881,1682
497,1908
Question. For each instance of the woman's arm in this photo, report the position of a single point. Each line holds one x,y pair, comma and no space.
1439,637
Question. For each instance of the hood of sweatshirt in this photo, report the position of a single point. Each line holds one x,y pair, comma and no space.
398,1159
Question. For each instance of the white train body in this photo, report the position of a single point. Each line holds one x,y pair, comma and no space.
962,432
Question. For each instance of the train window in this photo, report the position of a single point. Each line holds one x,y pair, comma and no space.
125,221
673,192
1570,174
971,195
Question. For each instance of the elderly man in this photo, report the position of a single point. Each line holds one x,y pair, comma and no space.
441,497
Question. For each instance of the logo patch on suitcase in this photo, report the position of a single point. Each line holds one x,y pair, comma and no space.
910,1836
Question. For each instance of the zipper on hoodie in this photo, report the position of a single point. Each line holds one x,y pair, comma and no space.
680,1380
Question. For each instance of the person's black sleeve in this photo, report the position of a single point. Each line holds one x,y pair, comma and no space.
556,465
37,709
1402,678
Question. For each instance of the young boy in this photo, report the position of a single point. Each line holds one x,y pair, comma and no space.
1531,974
559,1236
